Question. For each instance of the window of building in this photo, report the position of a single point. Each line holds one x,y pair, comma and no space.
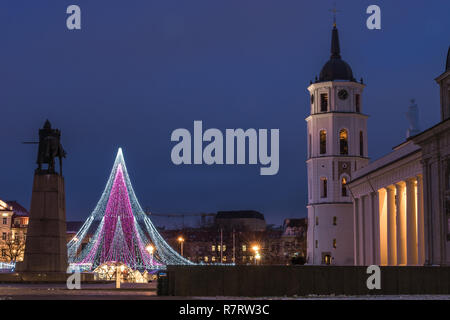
334,243
224,259
213,259
4,236
344,187
326,259
309,147
244,248
324,102
213,248
334,221
5,220
358,102
317,244
3,253
323,187
206,259
323,141
243,258
218,248
224,248
343,141
317,221
361,144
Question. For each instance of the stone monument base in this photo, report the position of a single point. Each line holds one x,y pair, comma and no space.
46,242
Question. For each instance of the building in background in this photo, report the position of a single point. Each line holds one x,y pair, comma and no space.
13,230
247,220
241,237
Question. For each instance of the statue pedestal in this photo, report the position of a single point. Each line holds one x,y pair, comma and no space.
46,244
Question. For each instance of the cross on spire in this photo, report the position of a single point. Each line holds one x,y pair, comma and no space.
334,10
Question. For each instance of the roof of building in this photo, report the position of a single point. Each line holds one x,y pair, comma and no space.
18,209
294,223
336,68
405,149
241,214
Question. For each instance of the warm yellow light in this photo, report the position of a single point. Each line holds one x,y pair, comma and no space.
257,256
150,248
4,214
255,248
180,239
122,268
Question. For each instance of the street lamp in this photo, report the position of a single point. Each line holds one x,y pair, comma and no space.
257,255
150,250
181,241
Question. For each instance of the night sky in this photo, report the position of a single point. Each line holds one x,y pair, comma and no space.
140,69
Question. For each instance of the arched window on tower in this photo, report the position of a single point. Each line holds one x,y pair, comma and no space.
344,187
323,142
343,141
361,144
324,102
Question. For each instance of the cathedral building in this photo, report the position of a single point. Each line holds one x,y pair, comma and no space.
402,200
392,211
337,147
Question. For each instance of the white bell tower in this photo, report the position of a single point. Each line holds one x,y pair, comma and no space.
337,146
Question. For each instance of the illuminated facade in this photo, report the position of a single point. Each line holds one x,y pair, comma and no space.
337,146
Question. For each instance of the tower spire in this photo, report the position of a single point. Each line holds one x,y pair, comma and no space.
335,49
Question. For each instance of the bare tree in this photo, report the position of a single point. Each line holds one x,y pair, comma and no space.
14,246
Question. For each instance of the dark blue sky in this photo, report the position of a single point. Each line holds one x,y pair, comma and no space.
140,69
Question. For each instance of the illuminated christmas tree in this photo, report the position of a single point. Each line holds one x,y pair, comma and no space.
118,230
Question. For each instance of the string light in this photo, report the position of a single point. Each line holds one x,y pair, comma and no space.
123,231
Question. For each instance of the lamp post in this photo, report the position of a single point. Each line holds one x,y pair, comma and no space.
181,241
257,255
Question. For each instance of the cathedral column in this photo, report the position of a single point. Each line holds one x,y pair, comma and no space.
411,224
362,233
401,223
356,231
391,227
420,222
376,252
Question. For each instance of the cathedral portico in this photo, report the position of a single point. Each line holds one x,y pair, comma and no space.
391,229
